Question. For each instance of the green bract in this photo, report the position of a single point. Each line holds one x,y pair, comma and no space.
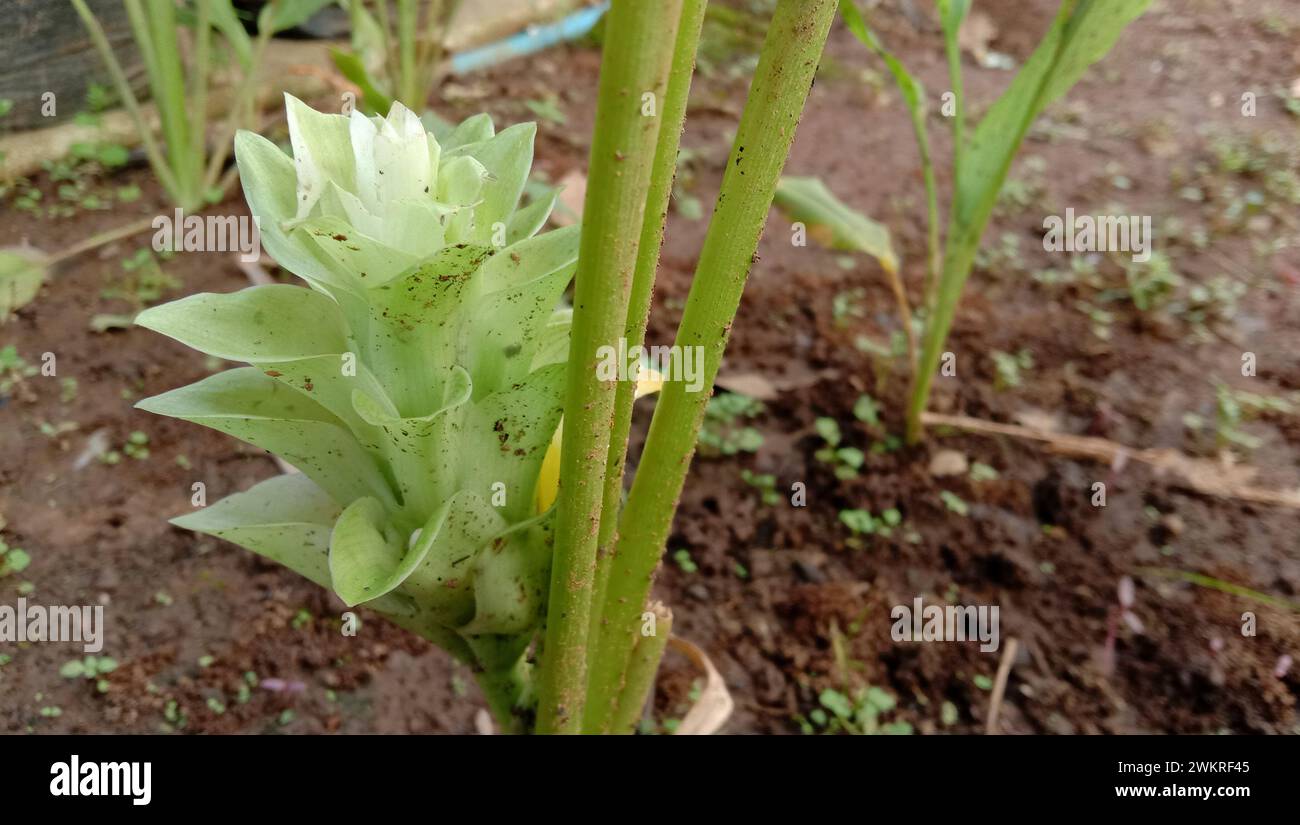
416,384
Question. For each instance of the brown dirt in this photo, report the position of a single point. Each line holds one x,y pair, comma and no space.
1031,543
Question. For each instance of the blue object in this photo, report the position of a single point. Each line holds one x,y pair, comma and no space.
533,39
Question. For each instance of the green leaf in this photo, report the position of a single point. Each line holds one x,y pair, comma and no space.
1083,32
416,325
274,322
331,380
420,449
831,222
449,544
952,13
851,456
910,87
322,152
354,69
351,253
913,97
287,519
837,703
22,271
460,183
508,158
73,669
510,579
226,20
510,322
270,184
15,560
279,15
880,699
828,429
510,432
368,556
475,129
528,221
528,260
263,412
553,343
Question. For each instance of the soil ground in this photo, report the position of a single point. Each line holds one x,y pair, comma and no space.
786,600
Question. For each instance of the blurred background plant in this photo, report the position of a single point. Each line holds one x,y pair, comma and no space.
192,170
395,52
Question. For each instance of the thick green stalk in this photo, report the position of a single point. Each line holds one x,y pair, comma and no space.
123,86
673,115
639,682
639,38
787,65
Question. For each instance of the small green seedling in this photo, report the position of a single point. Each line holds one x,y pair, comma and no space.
845,461
684,561
12,559
954,502
91,667
858,713
862,522
765,483
724,431
1007,367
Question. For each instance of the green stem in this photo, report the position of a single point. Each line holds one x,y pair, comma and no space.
107,237
957,263
673,115
169,96
127,230
503,679
639,39
240,110
638,684
199,84
429,54
407,26
932,215
505,691
151,150
390,53
952,48
787,65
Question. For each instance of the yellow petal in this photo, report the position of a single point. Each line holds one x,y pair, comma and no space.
548,478
652,383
